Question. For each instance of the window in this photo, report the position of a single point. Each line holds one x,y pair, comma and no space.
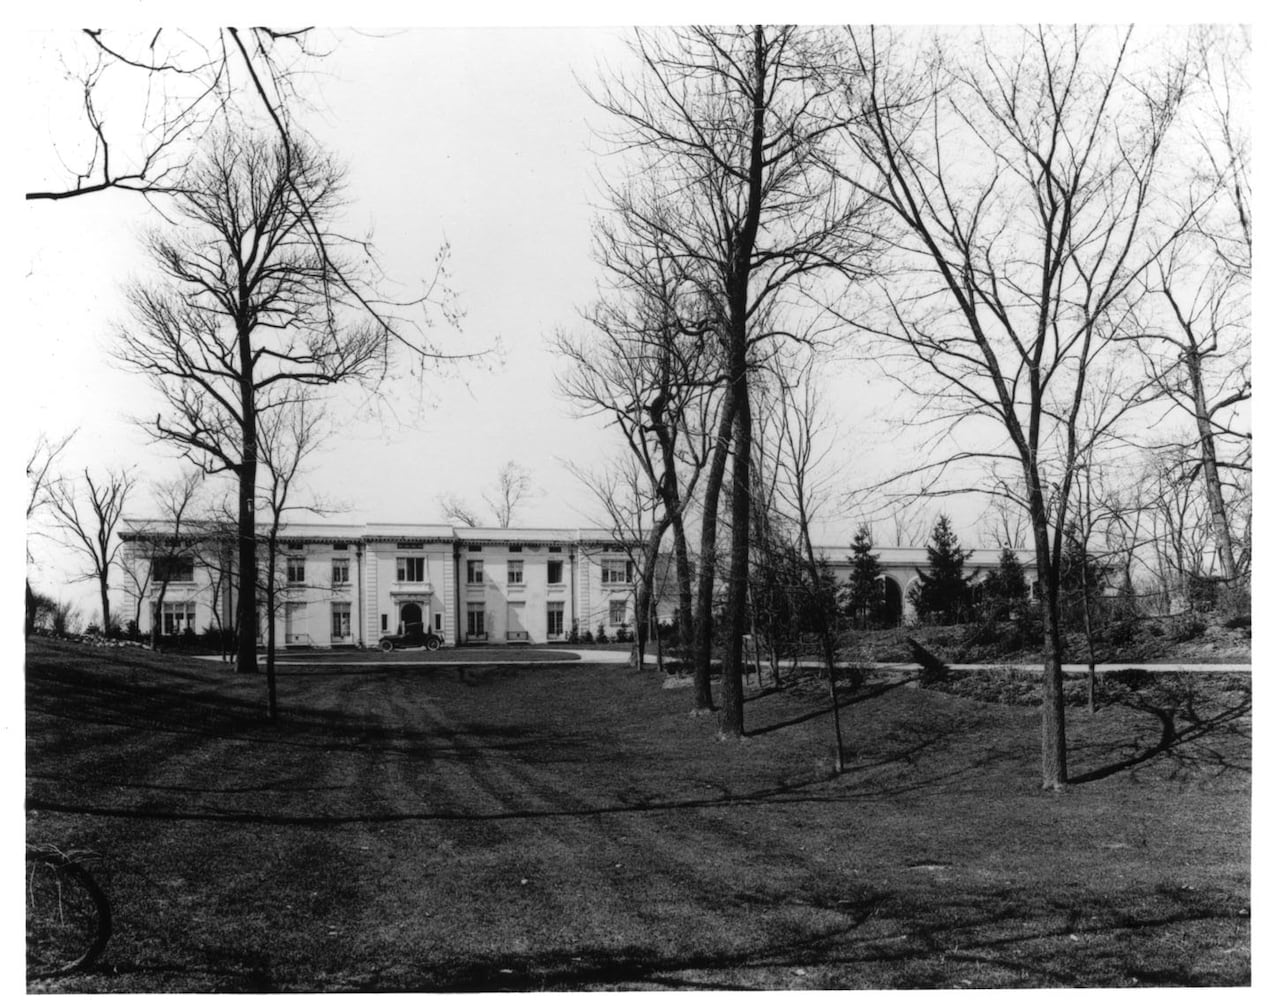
341,621
340,546
173,569
617,612
553,548
410,569
555,618
474,548
410,545
476,619
516,571
383,623
615,571
555,570
177,617
296,546
476,571
514,548
295,570
295,622
339,572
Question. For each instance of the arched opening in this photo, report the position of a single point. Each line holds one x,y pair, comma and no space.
412,618
893,602
907,612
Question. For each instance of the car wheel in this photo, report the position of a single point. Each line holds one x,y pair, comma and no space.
434,643
386,645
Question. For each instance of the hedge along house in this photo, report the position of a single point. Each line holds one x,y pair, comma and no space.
350,585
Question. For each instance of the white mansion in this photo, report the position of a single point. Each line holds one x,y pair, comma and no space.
349,585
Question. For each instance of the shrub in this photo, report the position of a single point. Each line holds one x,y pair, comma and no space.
1133,679
1189,627
600,634
588,637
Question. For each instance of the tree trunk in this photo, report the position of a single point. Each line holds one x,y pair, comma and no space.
683,581
731,696
703,702
1209,467
731,722
1089,630
271,605
246,663
156,626
105,599
1054,741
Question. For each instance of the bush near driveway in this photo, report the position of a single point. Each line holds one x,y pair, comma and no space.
547,826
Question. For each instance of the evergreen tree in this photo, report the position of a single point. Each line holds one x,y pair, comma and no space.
864,597
1005,588
942,595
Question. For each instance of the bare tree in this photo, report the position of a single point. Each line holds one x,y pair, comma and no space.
90,523
150,97
638,524
512,487
288,435
1199,354
41,478
1022,181
154,549
643,369
802,485
505,499
730,130
258,298
455,508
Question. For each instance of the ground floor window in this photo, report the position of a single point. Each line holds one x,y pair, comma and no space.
476,619
176,617
617,612
295,619
555,618
341,621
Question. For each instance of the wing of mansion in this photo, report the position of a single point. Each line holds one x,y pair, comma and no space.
351,585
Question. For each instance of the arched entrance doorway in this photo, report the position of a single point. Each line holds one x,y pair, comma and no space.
893,602
412,618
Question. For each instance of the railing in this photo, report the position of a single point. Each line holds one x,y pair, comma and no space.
476,637
555,636
518,636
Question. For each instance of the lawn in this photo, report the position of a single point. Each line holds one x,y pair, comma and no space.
454,826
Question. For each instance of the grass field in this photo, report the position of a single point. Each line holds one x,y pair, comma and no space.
568,826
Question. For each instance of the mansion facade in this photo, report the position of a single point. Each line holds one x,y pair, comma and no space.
351,585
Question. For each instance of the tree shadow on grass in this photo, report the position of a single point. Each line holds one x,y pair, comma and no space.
883,939
1175,743
870,692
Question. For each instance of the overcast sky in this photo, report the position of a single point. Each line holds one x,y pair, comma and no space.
482,138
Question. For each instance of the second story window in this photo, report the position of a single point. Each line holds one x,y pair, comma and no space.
339,572
173,569
476,571
410,569
295,570
555,570
615,571
516,571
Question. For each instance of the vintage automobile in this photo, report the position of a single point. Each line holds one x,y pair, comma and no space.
410,636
